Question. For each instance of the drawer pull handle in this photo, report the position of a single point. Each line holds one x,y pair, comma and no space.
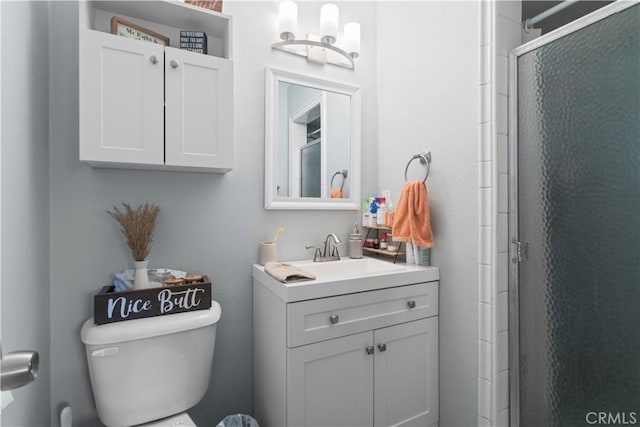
411,304
369,349
333,319
382,347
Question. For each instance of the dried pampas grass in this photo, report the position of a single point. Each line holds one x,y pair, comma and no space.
138,227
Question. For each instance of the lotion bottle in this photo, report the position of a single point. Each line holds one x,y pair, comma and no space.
382,212
355,243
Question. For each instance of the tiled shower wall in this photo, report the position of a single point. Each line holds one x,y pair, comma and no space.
500,32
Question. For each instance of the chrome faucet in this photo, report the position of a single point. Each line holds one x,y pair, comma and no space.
330,253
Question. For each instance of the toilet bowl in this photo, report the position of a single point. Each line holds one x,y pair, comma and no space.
151,370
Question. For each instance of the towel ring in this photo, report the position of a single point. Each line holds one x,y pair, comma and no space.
425,159
344,174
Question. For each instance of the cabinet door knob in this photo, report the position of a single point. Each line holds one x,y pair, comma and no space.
153,59
411,304
174,64
369,349
334,319
382,347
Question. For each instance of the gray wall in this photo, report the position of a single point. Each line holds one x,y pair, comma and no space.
427,93
208,223
25,200
428,99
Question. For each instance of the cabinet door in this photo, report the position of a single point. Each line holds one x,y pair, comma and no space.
330,383
406,374
121,100
199,110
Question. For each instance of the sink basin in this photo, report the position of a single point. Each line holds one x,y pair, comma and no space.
344,277
347,268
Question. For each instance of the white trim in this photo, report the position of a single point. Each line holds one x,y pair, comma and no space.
514,324
486,398
323,145
0,179
271,200
297,133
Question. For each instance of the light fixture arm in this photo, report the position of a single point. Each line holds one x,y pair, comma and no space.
318,45
284,46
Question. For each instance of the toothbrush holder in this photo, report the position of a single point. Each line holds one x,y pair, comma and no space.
268,252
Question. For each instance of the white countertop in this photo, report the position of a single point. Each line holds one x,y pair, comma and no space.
383,274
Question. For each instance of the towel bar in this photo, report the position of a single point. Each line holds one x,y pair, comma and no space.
425,159
344,174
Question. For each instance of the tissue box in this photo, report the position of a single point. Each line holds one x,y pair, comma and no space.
110,306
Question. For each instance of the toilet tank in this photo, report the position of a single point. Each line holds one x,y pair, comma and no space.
146,369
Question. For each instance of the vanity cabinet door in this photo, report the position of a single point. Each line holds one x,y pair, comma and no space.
199,110
330,383
121,100
406,374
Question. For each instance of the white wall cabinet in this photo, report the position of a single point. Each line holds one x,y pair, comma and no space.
362,359
144,105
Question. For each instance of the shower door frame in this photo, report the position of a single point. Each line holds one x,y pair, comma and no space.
514,325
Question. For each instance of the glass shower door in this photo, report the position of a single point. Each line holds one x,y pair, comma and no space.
576,290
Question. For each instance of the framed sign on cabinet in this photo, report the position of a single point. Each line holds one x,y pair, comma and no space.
124,28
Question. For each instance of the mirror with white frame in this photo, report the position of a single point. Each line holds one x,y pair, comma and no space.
312,143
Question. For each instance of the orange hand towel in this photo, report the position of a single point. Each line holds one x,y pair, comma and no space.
412,222
336,193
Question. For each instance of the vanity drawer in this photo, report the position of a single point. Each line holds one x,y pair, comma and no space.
326,318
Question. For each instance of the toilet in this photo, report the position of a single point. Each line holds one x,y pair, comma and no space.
150,371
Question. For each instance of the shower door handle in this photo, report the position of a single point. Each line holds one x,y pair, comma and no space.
521,250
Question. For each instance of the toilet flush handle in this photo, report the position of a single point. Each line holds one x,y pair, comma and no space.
105,352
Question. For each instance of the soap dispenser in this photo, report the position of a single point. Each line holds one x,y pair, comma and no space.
355,243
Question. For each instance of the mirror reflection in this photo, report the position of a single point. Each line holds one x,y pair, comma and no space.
312,143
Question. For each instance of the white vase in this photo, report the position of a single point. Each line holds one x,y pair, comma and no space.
141,277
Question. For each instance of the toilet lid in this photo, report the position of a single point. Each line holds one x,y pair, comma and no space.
179,420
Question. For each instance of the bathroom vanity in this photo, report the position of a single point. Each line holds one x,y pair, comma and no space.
358,346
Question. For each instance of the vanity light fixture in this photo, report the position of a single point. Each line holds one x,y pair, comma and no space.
315,47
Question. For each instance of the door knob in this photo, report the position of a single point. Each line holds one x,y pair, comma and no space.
334,319
382,347
153,59
369,349
18,368
174,64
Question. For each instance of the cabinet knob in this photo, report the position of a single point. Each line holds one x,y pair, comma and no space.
411,304
382,347
174,64
334,319
153,59
369,349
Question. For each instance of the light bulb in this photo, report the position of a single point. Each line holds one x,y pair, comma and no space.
329,23
288,20
352,39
